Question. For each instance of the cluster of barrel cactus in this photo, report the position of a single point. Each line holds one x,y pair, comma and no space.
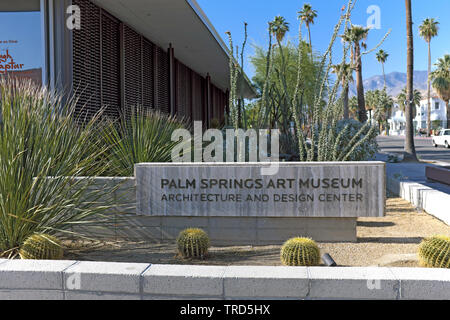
300,252
193,243
42,247
434,252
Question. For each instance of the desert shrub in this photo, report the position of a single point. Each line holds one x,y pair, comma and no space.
40,139
193,243
42,247
434,252
145,136
300,252
351,129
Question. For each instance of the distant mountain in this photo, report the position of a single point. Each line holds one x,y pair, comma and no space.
395,82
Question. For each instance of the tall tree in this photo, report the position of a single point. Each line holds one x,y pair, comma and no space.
307,16
409,150
345,76
371,101
401,100
279,26
428,30
441,82
356,36
382,57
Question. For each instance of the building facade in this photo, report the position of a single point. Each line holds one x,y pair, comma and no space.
114,54
397,120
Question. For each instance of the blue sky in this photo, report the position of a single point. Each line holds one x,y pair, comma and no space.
230,15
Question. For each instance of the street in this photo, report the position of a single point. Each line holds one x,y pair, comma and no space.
424,148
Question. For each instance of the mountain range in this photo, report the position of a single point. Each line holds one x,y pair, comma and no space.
395,82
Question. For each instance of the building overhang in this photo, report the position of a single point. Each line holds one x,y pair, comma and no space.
19,5
182,24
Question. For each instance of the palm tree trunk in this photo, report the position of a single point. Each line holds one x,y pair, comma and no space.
362,114
429,91
310,41
384,75
410,150
346,113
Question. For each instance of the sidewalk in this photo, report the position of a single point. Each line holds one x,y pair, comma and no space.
408,181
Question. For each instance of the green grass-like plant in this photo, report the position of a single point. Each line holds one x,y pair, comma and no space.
42,247
434,252
300,252
42,152
193,243
143,136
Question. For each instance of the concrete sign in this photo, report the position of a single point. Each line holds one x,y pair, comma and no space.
300,189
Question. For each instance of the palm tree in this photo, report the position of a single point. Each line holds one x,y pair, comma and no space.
383,107
345,74
441,82
307,15
410,150
371,101
353,107
279,26
354,36
401,100
428,30
382,57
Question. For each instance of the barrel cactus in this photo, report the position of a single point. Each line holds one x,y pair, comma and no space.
41,246
193,243
434,252
300,252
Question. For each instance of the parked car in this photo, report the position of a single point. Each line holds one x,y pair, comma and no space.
443,139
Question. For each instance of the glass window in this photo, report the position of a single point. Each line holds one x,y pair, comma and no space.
21,45
436,106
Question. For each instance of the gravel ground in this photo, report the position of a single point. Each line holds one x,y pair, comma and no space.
388,241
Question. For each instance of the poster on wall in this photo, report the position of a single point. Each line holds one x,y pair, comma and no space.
20,46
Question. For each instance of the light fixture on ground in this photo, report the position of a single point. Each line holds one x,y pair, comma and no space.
328,260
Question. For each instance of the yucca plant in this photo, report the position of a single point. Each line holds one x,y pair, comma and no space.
42,152
143,136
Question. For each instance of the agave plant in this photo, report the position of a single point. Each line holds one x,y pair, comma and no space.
145,136
42,152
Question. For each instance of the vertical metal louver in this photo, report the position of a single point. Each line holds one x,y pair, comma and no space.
117,68
87,61
148,75
110,76
162,79
132,69
183,91
198,97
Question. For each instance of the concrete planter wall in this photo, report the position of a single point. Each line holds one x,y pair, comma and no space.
139,214
38,279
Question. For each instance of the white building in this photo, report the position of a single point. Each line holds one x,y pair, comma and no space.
397,121
438,114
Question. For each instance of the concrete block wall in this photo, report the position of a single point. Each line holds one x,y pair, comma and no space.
75,280
421,195
123,223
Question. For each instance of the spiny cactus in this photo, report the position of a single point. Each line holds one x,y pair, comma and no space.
41,246
434,252
300,252
193,243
